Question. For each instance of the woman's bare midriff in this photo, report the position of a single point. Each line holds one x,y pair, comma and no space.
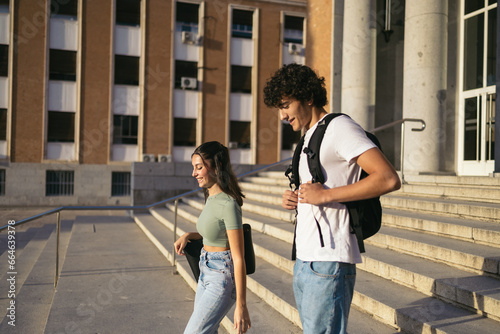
215,249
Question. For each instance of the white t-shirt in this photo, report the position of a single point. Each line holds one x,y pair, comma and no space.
344,140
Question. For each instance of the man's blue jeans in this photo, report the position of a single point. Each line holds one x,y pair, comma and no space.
323,293
216,292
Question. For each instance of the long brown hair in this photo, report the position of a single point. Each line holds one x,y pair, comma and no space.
215,157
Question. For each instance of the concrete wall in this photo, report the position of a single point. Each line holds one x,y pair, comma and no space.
153,181
25,185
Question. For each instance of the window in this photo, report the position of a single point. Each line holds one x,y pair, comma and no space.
128,12
126,70
294,30
184,132
288,136
120,184
61,127
473,5
3,124
475,46
4,60
240,134
187,69
62,65
242,23
241,79
59,183
125,129
2,182
187,17
64,7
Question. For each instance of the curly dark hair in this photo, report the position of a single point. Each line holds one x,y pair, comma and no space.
296,81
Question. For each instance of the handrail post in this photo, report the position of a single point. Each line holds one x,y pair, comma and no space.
402,159
175,229
56,278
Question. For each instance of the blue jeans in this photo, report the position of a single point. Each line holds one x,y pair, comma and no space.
323,293
215,294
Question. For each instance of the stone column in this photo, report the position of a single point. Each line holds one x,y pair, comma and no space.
424,87
358,62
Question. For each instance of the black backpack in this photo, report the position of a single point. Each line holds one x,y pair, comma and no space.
365,215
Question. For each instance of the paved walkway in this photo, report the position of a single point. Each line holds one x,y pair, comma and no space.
115,281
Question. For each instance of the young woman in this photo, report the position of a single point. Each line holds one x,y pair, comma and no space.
222,279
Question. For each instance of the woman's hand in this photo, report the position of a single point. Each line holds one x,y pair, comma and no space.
180,243
241,319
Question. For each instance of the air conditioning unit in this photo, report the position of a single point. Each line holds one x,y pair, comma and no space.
295,49
164,158
148,158
189,38
188,82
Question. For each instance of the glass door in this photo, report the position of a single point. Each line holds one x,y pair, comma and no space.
476,121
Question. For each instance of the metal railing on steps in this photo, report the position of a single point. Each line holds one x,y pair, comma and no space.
402,122
178,197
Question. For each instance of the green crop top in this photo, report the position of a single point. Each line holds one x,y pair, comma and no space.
221,213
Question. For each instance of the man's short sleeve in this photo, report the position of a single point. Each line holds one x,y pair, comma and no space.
351,138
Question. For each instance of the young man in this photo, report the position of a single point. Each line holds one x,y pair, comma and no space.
324,277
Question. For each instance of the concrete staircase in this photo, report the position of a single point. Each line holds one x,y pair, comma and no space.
433,268
31,280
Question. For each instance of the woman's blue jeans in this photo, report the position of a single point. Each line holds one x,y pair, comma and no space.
323,293
215,294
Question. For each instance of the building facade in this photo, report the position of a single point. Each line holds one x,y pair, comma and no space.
387,60
91,88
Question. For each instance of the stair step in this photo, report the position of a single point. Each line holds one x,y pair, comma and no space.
454,191
271,180
468,256
443,206
263,188
466,229
454,180
35,296
24,264
474,292
22,238
413,311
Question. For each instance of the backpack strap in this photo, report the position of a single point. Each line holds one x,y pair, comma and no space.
312,149
293,170
293,176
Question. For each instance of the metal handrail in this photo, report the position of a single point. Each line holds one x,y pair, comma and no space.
177,197
402,122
